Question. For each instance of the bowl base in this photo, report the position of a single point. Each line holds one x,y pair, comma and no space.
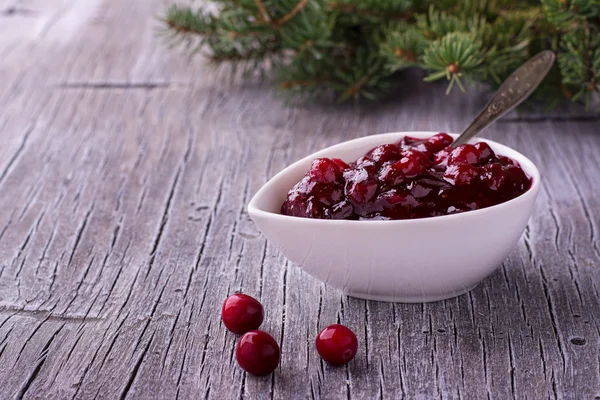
398,298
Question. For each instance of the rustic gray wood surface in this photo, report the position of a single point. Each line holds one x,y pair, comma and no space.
125,169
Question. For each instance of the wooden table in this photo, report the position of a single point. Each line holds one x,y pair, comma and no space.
125,170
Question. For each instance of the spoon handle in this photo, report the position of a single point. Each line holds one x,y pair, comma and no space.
516,88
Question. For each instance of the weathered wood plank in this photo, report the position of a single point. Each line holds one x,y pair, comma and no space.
125,171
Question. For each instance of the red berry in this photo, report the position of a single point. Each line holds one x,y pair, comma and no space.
492,175
507,161
242,313
410,166
257,353
440,141
392,174
461,174
314,209
325,170
340,163
408,142
328,194
464,154
486,154
360,187
342,210
381,154
441,157
364,161
395,198
337,344
425,148
516,178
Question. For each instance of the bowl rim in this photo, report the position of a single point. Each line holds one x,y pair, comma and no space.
528,166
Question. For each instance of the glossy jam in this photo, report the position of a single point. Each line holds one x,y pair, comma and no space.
413,178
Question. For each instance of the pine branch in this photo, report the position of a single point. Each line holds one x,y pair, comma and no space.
456,55
565,12
297,8
580,63
182,20
396,13
354,47
402,46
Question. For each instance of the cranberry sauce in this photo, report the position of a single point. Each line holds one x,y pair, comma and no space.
413,178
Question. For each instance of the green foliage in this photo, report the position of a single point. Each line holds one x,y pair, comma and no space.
354,47
455,55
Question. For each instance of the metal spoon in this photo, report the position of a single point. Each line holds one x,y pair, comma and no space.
516,88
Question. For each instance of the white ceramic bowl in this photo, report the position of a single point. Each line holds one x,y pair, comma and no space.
417,260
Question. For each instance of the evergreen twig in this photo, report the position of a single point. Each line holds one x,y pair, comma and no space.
354,47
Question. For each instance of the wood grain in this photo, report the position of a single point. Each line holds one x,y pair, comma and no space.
125,169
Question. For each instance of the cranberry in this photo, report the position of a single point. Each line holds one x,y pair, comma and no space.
395,197
340,163
441,157
257,353
342,210
419,156
424,147
392,198
337,344
328,194
364,160
314,209
506,161
408,142
360,187
516,179
421,189
414,178
492,176
325,170
440,141
464,154
407,167
486,154
461,174
391,174
300,205
242,313
410,166
381,154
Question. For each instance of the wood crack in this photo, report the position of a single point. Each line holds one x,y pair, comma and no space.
18,153
42,359
205,349
171,337
80,234
14,11
511,360
198,260
46,315
80,283
116,279
136,369
164,219
150,317
552,318
117,85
